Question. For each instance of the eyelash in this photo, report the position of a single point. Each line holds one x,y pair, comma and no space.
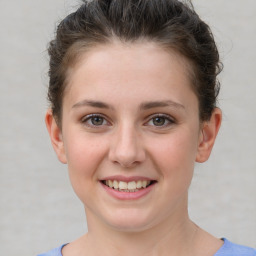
166,118
170,121
90,117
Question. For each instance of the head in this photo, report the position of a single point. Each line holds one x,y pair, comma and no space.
133,92
171,24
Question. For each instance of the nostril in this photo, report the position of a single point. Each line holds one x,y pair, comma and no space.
126,164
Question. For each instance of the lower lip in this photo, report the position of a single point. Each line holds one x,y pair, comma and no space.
128,195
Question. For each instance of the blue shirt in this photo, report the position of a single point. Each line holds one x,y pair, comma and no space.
227,249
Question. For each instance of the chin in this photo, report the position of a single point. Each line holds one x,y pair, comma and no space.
130,221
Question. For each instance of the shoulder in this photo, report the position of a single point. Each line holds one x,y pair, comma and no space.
231,249
53,252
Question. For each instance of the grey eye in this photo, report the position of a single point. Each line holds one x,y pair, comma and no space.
94,120
159,121
97,120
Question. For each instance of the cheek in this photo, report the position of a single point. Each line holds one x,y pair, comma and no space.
83,150
175,155
84,156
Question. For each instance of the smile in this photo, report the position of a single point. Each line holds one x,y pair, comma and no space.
131,186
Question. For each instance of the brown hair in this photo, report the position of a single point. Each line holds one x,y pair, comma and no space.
170,23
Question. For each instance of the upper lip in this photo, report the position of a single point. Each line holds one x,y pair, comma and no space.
126,179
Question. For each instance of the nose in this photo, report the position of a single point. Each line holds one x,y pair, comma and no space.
126,147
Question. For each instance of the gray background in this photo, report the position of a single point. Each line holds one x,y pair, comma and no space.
38,209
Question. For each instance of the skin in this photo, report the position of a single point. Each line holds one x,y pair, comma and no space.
128,141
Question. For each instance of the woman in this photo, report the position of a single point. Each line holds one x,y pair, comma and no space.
133,93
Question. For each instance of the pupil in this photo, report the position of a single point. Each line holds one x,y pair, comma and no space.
158,121
97,120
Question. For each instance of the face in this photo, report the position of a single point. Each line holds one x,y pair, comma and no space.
130,134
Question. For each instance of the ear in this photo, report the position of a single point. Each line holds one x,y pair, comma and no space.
56,136
208,135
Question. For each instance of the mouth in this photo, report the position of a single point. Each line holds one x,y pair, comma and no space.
130,187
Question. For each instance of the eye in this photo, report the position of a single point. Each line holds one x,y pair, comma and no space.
94,120
160,120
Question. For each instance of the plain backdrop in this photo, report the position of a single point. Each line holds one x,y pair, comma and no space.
39,210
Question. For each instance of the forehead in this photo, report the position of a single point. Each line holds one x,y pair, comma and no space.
135,57
131,70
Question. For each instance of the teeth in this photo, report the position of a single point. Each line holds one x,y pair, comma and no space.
144,183
110,183
131,186
139,184
123,185
115,184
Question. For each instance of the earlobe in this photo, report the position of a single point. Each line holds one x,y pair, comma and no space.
55,136
208,135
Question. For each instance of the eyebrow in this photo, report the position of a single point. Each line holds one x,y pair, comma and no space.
91,103
155,104
143,106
